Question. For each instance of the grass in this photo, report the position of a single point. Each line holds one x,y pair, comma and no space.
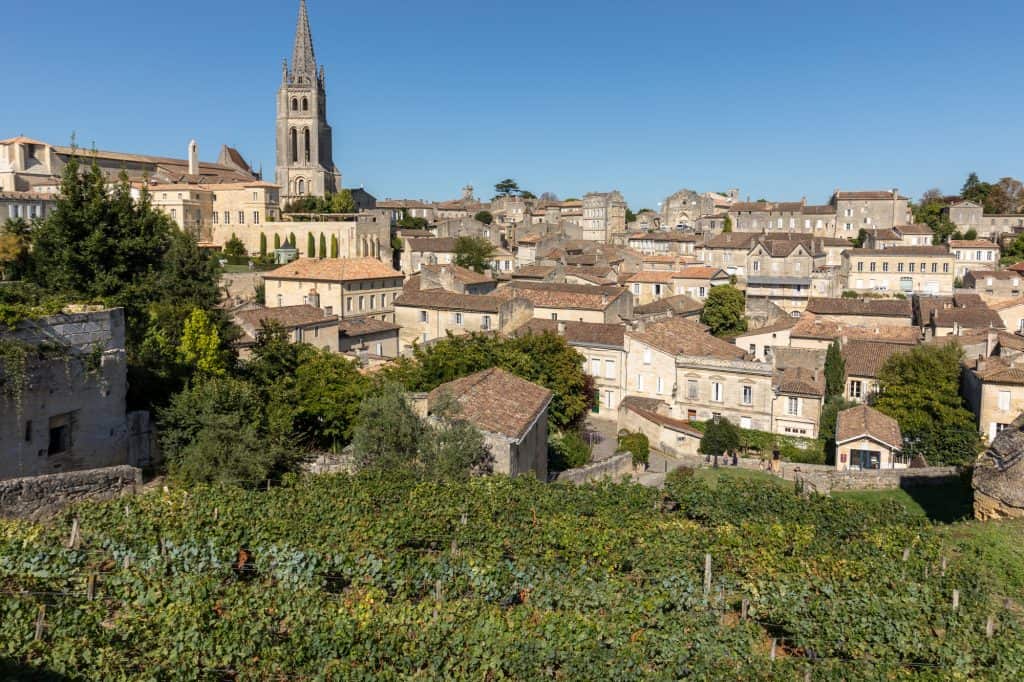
711,476
945,503
245,268
996,548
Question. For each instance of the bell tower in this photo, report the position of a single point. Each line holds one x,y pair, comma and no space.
305,158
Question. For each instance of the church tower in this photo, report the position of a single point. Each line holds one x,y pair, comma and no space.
305,160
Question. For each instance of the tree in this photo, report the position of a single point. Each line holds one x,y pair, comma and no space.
310,246
234,247
292,242
858,241
277,241
975,190
920,389
200,345
548,196
15,239
719,437
1005,196
835,371
454,449
527,195
388,433
342,202
218,430
725,310
630,216
484,217
567,451
329,390
409,223
334,246
473,252
971,234
263,244
323,245
727,225
507,187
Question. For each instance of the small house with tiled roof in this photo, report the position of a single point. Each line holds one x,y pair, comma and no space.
510,412
974,254
425,315
867,439
304,324
993,388
368,335
427,250
799,396
581,303
863,361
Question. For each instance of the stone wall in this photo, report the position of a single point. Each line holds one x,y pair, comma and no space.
886,479
615,467
37,497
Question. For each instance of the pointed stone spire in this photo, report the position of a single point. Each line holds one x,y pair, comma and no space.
303,59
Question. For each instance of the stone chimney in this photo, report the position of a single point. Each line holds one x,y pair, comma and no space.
990,342
981,364
193,157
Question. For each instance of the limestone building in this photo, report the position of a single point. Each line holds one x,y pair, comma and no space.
305,157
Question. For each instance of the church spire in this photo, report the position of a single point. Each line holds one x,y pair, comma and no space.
303,59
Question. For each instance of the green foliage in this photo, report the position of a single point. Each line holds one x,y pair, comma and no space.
725,311
15,241
920,389
342,202
484,217
260,293
507,187
263,244
200,345
829,412
971,234
410,223
328,392
334,246
338,202
310,246
727,225
474,253
720,437
234,247
762,443
323,245
221,430
397,244
835,371
545,359
858,241
630,216
277,241
637,444
388,433
370,577
567,451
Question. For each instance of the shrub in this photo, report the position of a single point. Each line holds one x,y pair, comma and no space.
567,451
636,444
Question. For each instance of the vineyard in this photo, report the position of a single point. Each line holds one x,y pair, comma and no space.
379,578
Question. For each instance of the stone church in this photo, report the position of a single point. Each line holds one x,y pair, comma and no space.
305,159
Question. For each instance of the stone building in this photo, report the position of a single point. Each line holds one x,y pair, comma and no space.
869,210
868,439
70,412
27,206
967,215
427,251
305,148
993,283
974,254
604,356
346,287
604,213
679,243
993,388
368,335
683,208
304,324
512,415
905,269
430,314
799,393
576,302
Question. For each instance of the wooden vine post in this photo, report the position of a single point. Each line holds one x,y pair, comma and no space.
707,575
40,622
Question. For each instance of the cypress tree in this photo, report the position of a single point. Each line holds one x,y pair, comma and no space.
277,241
835,371
334,246
323,245
263,244
310,246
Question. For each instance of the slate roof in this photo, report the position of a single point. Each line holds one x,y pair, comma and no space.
680,336
496,401
868,307
441,299
865,358
867,421
333,270
582,333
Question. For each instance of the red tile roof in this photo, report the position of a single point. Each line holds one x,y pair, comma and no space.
867,421
496,401
334,270
681,336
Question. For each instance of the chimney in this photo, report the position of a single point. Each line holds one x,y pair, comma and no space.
193,158
561,328
990,342
981,364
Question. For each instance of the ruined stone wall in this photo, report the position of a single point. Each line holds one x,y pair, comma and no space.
37,497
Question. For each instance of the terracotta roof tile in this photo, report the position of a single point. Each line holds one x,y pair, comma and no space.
800,381
440,299
333,270
865,358
431,245
681,336
357,326
289,316
582,333
867,421
648,409
868,307
680,305
552,295
971,244
496,401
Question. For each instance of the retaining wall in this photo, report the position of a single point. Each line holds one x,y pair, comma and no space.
37,497
616,466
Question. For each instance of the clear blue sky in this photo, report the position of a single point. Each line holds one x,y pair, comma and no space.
780,99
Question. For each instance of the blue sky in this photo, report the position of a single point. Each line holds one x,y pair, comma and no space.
780,99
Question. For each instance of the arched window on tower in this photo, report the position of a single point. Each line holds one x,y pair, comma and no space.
301,186
295,104
305,135
305,104
295,146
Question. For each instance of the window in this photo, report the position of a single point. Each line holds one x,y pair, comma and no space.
423,316
458,319
360,302
899,267
935,267
1004,401
691,389
647,356
215,216
305,104
860,266
871,266
485,322
657,290
910,267
60,434
554,316
945,268
227,217
295,104
753,349
609,369
639,382
756,266
636,289
793,406
28,431
716,391
924,267
748,395
241,217
854,389
595,367
702,292
255,217
316,332
885,266
848,212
